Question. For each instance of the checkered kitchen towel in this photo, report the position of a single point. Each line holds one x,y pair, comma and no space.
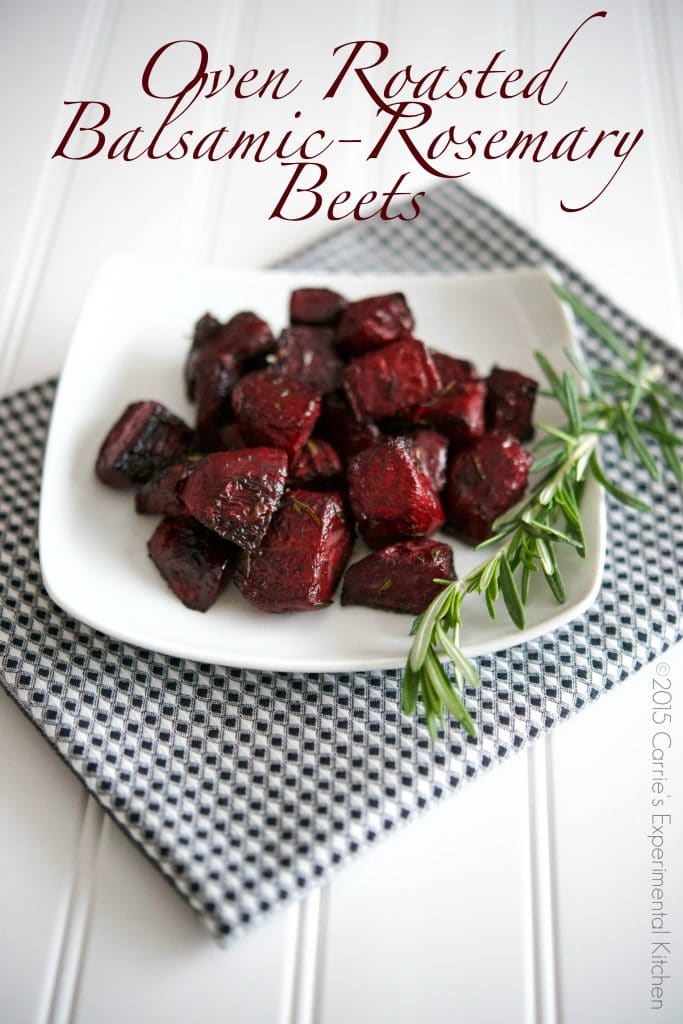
246,788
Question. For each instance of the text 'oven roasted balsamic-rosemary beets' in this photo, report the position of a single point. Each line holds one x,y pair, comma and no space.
344,422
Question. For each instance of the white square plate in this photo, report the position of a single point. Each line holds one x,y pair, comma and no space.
130,343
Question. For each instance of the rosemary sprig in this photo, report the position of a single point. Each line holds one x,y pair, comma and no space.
628,401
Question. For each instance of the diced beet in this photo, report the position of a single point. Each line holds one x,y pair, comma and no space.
391,380
399,578
226,438
483,482
338,425
391,497
205,327
431,451
302,557
214,381
236,493
244,337
276,411
457,412
510,402
373,322
318,466
316,306
307,354
452,369
145,438
158,497
195,562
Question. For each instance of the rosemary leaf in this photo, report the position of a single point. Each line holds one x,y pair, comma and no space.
444,689
593,321
668,396
508,589
554,581
571,404
617,492
545,557
461,663
411,682
550,461
549,372
639,446
423,634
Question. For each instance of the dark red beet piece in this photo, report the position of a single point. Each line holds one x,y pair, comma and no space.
318,467
391,497
158,496
483,482
391,380
276,411
510,402
307,354
244,337
195,562
373,322
303,555
214,381
226,438
145,438
236,493
205,327
452,369
399,578
338,425
458,412
316,306
431,451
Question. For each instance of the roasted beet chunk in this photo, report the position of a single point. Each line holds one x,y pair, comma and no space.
338,425
214,381
276,411
483,482
318,466
158,497
307,354
204,329
302,557
373,322
457,412
510,402
391,380
236,493
316,306
452,369
431,451
144,439
195,562
399,578
244,337
226,438
391,497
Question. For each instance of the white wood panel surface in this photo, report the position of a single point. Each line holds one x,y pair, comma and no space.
416,916
50,31
42,808
601,805
522,899
166,968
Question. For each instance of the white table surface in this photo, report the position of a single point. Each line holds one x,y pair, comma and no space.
524,899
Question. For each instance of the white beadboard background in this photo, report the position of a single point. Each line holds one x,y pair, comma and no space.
524,900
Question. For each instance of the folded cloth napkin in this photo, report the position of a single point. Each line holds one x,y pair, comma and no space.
247,788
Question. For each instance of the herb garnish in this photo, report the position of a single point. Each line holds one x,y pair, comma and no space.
629,403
